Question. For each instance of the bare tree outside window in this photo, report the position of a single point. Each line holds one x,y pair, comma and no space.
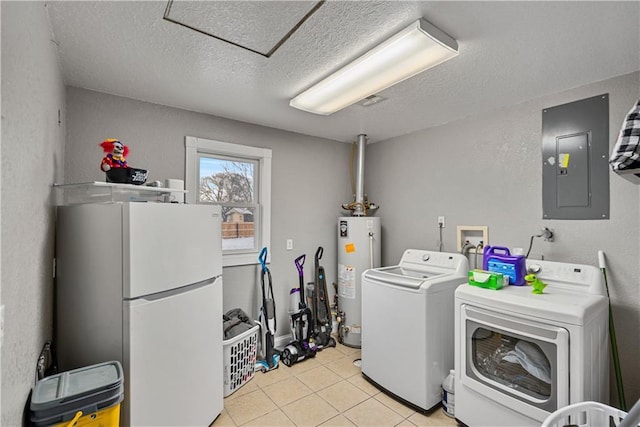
230,183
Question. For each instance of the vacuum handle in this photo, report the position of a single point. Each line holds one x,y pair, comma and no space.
299,263
263,258
319,253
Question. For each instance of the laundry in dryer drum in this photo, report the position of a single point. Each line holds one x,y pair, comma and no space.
487,279
498,259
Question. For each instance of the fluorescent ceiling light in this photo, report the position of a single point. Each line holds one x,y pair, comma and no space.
411,51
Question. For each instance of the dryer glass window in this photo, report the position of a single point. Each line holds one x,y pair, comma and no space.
513,362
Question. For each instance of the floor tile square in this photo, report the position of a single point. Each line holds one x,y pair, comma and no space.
433,419
303,366
372,413
406,423
223,420
364,385
249,407
286,391
263,379
344,367
276,418
348,351
319,378
338,421
402,410
328,355
245,389
309,411
343,395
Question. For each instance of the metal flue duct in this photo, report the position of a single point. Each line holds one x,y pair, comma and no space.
360,205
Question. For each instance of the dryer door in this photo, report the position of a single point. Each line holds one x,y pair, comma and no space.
519,363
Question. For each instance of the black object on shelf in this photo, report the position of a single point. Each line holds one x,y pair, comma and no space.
127,176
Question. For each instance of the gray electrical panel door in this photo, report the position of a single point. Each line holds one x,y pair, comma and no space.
575,168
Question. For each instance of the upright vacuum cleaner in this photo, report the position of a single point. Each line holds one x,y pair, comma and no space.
301,347
321,307
267,319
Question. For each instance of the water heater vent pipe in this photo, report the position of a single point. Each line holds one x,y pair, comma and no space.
359,201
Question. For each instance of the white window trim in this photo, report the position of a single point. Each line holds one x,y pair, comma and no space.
194,145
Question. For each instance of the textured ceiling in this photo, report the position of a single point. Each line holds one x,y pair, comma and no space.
510,52
248,25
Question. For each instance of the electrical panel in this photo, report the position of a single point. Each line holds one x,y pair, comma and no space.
575,153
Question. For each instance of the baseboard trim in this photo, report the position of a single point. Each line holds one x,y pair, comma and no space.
281,341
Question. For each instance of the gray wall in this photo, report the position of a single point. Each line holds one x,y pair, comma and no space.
32,147
486,170
310,179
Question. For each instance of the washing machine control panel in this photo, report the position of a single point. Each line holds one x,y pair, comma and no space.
419,259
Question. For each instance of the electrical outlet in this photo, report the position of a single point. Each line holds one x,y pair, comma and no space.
441,222
289,244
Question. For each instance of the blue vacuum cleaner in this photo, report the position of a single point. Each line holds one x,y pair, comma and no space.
267,319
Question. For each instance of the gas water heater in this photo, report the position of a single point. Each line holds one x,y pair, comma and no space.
358,250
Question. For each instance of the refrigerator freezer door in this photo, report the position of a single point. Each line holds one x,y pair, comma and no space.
167,246
174,351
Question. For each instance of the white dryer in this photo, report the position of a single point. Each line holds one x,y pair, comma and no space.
408,324
520,356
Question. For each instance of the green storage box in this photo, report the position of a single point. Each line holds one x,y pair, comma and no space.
488,279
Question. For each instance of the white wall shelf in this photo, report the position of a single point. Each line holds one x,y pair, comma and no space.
108,192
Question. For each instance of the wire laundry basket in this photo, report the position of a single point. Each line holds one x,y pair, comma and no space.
586,414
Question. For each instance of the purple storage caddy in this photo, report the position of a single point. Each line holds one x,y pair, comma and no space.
498,259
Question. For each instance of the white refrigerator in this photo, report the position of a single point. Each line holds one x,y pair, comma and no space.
141,283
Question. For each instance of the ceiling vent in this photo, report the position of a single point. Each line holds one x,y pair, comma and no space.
371,100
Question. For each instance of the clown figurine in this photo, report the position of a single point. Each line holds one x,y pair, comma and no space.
116,155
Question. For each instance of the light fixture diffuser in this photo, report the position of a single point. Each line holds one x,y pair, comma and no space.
415,49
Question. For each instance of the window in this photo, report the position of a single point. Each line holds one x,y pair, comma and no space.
238,178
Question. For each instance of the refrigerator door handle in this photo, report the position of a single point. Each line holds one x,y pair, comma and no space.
175,291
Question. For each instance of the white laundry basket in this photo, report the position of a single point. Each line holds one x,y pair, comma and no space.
585,414
239,355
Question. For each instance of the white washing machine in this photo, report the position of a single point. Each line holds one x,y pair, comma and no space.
520,356
408,324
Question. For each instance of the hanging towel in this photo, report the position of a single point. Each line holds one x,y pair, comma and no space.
626,153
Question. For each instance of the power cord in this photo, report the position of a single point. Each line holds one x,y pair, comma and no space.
545,233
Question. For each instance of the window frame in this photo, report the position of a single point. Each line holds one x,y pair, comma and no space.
195,146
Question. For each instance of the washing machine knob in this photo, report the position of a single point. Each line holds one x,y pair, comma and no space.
534,268
425,257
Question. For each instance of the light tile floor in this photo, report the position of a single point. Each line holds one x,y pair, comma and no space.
327,390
